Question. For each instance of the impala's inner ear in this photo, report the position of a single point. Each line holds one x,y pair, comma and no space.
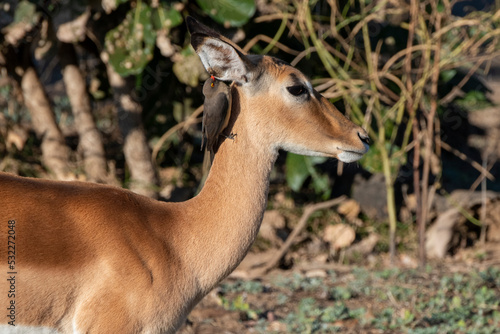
219,56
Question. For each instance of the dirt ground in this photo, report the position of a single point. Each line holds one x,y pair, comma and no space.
376,298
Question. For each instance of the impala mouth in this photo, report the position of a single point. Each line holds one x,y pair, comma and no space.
348,156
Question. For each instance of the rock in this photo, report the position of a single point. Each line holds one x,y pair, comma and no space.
440,234
75,29
318,273
371,195
350,209
17,136
408,261
364,247
271,223
339,236
277,327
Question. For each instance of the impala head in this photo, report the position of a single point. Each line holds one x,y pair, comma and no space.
280,101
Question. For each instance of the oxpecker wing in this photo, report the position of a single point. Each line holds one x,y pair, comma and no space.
216,112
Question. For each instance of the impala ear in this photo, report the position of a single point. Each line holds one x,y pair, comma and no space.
220,57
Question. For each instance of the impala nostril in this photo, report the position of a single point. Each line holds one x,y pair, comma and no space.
364,137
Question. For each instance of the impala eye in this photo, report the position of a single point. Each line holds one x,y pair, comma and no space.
297,90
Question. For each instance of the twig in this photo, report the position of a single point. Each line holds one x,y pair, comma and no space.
308,211
482,215
429,136
489,155
411,106
302,54
333,24
184,125
348,62
337,267
392,299
454,92
410,49
460,206
270,17
464,157
278,34
361,24
272,42
456,24
481,177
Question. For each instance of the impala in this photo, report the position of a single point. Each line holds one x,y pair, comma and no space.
100,259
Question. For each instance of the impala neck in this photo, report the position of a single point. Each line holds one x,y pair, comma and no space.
227,213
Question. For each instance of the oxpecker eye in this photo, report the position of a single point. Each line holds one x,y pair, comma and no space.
297,90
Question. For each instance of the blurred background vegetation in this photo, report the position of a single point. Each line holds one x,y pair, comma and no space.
110,91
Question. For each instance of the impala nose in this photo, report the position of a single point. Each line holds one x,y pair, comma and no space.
365,139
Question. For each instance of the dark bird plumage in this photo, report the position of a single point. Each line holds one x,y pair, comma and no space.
216,112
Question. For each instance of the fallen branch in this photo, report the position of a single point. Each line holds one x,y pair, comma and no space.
308,211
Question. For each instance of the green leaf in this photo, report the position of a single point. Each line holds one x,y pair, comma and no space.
296,171
165,17
130,45
317,160
233,12
475,96
474,100
448,75
456,302
299,168
119,2
26,12
321,185
21,18
441,7
372,161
